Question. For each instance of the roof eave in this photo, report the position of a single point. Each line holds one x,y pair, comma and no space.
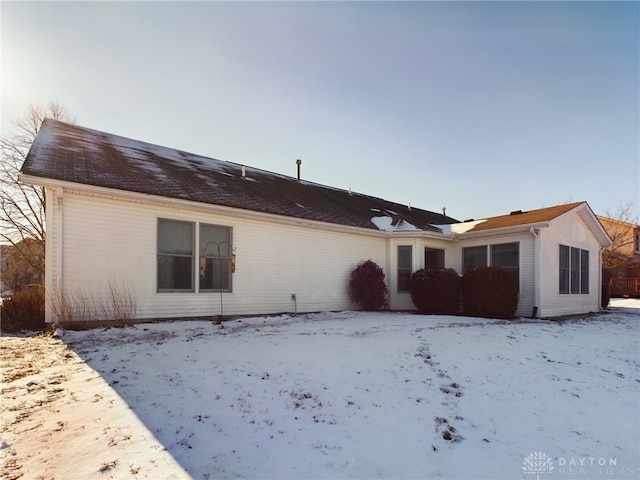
525,227
148,199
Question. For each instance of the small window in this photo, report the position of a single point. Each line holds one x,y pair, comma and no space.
405,254
175,255
473,257
433,258
215,258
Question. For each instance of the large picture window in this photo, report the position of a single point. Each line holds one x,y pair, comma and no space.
175,255
473,257
573,270
503,255
215,258
507,257
405,261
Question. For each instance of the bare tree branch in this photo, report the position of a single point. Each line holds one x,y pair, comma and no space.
22,214
621,225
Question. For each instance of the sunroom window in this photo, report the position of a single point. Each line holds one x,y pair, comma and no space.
573,270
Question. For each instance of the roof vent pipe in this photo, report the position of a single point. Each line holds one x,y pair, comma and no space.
298,163
244,171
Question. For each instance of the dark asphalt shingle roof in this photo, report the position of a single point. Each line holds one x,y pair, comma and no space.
81,155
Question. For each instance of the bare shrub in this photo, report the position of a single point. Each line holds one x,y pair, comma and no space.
120,305
70,306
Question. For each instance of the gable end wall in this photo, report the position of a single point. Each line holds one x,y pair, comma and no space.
567,230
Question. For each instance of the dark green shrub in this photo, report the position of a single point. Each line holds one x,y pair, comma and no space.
367,287
436,291
24,311
489,292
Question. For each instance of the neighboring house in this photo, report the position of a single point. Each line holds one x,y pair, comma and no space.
18,265
621,260
190,235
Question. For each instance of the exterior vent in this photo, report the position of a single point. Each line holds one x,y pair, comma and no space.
517,212
298,163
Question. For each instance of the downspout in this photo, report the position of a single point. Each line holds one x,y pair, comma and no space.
536,272
53,277
389,272
600,278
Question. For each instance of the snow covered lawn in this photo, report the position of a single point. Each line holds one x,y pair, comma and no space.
332,395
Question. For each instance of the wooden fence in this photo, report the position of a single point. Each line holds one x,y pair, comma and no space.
624,287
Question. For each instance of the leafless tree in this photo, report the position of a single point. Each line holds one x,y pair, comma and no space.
22,212
621,225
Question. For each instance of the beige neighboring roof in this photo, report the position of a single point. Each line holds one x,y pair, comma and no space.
524,218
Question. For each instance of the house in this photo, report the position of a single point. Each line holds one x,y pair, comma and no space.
192,236
621,260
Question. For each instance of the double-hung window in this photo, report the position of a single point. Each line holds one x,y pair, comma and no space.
405,261
215,258
175,256
573,270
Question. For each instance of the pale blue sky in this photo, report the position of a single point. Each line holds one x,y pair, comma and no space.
479,107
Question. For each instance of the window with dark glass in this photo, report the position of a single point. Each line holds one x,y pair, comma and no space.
433,258
405,254
564,263
473,257
175,255
507,257
584,271
215,258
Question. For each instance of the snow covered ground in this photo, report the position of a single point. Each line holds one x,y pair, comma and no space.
332,395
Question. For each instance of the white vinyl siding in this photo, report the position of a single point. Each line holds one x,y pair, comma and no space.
93,240
112,240
570,231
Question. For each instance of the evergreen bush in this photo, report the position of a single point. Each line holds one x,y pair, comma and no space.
489,292
436,291
367,287
23,311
